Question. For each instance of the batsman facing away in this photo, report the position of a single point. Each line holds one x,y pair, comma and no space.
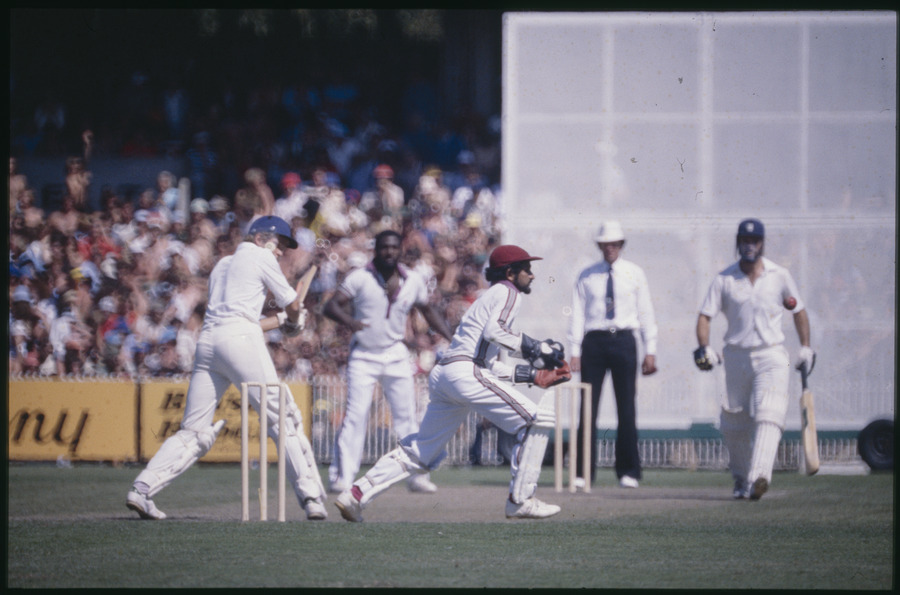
231,349
753,294
471,377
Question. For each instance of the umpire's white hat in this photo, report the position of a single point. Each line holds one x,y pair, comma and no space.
610,231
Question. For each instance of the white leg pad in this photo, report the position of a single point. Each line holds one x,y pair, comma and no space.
772,408
528,456
393,467
176,455
765,447
300,463
737,433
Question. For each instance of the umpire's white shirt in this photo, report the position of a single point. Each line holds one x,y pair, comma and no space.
753,310
384,315
238,285
633,307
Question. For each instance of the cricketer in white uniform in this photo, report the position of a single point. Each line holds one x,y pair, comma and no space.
375,302
752,294
231,349
470,377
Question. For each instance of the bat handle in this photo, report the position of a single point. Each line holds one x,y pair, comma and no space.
803,374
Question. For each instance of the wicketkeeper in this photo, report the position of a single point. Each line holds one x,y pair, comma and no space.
470,377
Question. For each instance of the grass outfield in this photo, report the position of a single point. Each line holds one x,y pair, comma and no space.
68,527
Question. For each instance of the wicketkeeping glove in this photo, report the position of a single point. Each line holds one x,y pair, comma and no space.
543,378
542,355
705,358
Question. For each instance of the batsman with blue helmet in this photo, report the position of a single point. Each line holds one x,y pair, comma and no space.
753,294
231,349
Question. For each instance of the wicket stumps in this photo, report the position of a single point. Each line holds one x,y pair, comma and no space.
263,493
571,392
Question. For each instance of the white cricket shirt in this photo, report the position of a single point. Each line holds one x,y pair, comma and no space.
753,310
384,315
238,285
633,307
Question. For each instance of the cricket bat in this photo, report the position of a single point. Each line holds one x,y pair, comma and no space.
808,435
304,283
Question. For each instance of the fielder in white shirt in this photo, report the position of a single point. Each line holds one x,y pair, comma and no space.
753,294
611,310
470,377
375,302
231,349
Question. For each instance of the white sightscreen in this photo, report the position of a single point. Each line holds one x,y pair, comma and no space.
680,125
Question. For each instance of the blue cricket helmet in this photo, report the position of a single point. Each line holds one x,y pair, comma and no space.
751,228
276,225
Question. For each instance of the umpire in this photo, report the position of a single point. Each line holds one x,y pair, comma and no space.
610,302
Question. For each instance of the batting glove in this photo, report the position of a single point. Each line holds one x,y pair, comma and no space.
291,328
806,356
705,358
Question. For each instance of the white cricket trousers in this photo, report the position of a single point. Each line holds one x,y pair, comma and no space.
757,385
392,368
457,388
757,381
232,353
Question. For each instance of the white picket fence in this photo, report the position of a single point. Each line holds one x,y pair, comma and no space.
329,396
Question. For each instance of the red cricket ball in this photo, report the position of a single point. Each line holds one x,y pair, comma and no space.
790,303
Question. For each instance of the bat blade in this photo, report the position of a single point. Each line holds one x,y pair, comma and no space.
808,434
304,283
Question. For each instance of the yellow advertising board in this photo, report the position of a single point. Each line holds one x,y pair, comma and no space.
121,421
79,421
162,407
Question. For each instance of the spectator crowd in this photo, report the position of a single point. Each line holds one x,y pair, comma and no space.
119,289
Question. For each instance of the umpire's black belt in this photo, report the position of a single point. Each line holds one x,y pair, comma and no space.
611,332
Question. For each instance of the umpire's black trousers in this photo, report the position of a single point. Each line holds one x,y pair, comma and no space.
616,352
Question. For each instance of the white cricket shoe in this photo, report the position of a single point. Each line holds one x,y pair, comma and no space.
760,487
315,510
579,483
627,481
530,509
144,506
349,506
421,485
337,486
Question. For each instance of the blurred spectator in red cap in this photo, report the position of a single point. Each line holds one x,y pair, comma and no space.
384,203
291,202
